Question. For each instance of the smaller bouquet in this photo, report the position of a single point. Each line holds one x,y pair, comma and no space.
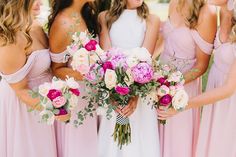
84,51
170,91
57,98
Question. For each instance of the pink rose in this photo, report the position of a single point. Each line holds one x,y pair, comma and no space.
107,65
53,94
75,91
165,100
59,102
167,84
91,45
122,90
62,112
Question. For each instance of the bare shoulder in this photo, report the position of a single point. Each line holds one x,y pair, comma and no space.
207,23
59,35
153,19
12,58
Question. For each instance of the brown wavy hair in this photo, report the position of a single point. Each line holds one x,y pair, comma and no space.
117,8
88,12
13,22
194,11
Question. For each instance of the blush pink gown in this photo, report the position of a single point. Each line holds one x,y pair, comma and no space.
72,141
178,136
217,134
21,133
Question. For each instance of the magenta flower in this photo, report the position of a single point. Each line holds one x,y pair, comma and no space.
161,80
62,112
91,45
142,73
167,84
53,94
122,90
166,100
75,91
107,65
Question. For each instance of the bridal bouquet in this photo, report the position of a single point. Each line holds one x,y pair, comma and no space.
84,51
117,77
170,91
57,98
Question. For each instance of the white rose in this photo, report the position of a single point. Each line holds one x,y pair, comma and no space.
58,84
80,57
83,37
152,96
99,50
142,54
180,100
75,37
73,102
129,80
175,77
110,78
44,89
163,90
72,83
47,117
132,61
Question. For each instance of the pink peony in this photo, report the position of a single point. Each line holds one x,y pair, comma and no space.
75,91
107,65
142,73
53,94
165,100
122,90
59,102
91,45
95,74
62,112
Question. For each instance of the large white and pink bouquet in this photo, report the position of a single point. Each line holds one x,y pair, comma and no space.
117,77
170,91
85,51
57,98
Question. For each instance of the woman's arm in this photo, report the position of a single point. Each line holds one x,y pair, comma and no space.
209,97
59,39
104,38
206,27
152,33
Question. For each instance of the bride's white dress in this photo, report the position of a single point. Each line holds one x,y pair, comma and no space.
128,32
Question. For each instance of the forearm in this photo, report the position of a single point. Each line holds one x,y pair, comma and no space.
210,97
63,72
194,73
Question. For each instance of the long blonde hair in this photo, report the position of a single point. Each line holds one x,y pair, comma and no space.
15,17
117,8
232,36
194,11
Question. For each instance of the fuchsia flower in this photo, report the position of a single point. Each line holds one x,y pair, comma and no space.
91,45
122,90
62,112
165,100
53,94
142,73
161,80
107,65
75,91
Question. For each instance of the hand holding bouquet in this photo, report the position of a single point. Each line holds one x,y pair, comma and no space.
171,93
57,98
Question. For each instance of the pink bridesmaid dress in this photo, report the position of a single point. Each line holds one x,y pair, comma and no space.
72,141
21,133
217,134
178,136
